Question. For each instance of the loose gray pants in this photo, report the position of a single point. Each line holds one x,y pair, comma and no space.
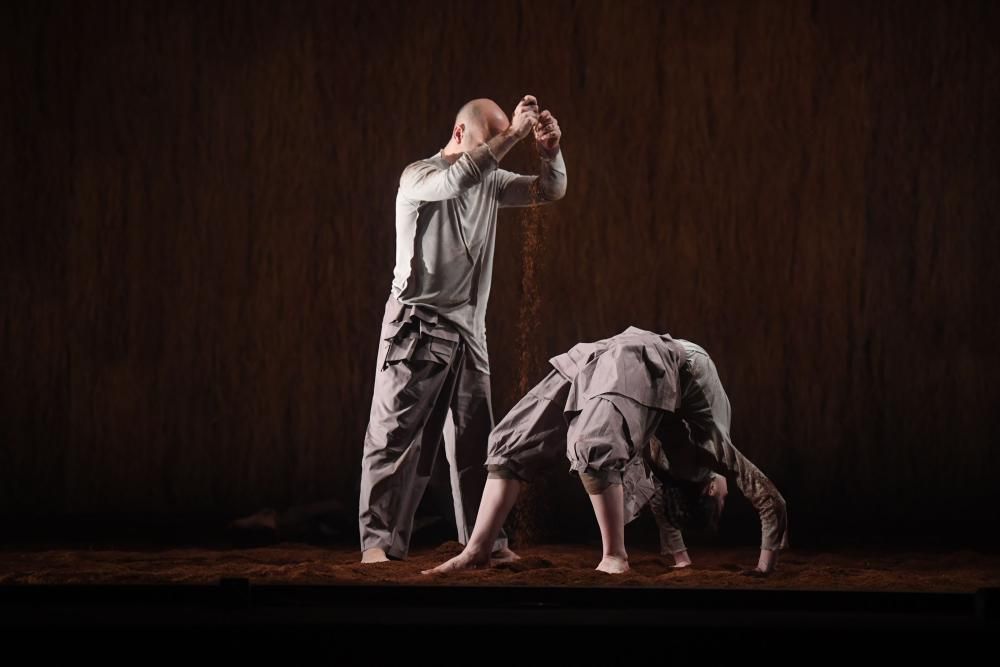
422,371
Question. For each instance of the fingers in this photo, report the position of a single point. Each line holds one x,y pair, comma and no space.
528,102
543,126
547,122
530,116
547,128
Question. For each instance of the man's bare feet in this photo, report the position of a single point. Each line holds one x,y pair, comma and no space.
503,555
466,560
374,555
613,565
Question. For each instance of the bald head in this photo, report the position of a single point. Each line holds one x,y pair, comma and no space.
480,120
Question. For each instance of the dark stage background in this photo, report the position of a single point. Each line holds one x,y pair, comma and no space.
197,215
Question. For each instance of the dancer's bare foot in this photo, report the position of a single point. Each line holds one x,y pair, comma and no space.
503,555
374,555
613,565
467,560
681,559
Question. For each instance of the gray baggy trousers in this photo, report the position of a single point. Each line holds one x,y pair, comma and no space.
604,439
422,371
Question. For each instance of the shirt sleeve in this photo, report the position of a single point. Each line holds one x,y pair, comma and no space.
671,538
755,487
522,190
426,181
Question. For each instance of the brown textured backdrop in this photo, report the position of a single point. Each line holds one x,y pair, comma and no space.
197,215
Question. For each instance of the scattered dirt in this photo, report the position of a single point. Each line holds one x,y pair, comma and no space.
543,565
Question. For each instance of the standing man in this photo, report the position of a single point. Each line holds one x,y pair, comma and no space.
432,354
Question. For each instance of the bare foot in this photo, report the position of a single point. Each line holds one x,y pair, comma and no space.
613,565
681,559
755,573
504,555
374,555
463,561
678,566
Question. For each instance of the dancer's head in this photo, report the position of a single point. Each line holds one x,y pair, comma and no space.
477,121
695,505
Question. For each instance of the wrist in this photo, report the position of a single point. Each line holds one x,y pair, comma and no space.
547,154
489,150
516,134
502,143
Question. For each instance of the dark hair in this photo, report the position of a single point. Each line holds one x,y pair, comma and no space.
687,508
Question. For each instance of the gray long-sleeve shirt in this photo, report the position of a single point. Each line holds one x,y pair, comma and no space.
446,230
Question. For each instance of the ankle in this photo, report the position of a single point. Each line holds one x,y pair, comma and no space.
477,552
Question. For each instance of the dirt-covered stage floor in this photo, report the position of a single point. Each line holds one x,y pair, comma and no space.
545,565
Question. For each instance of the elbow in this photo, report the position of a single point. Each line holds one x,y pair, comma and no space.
464,182
557,184
456,181
409,187
555,193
